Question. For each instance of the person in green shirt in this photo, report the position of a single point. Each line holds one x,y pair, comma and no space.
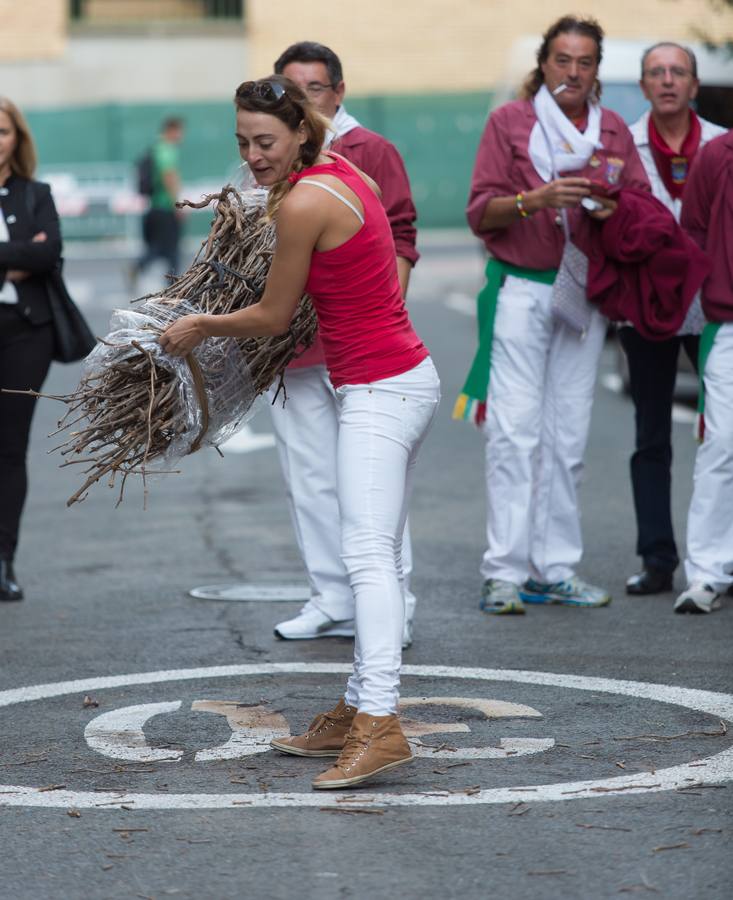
161,224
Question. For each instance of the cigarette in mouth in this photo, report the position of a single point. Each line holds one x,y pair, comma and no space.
559,89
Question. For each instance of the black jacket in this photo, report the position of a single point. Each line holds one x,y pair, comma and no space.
29,208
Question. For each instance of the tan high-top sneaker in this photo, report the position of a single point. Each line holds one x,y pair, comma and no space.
374,744
325,736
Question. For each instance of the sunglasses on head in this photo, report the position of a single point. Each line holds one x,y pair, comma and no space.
269,91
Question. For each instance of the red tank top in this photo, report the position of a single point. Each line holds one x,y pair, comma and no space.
362,320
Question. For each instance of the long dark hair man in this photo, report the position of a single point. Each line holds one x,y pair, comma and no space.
544,161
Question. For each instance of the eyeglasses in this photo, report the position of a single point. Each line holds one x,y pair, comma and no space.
270,91
660,72
315,88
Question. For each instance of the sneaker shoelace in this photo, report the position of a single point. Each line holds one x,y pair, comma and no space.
324,720
354,750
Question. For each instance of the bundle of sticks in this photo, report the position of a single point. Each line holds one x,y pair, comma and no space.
136,407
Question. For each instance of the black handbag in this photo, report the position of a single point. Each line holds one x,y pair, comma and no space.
73,339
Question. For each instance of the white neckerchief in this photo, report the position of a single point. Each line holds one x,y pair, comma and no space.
8,293
555,144
342,124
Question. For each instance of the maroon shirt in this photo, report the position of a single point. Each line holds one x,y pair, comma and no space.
707,215
381,161
503,168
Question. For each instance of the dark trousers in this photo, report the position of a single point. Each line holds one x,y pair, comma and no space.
162,235
25,356
652,375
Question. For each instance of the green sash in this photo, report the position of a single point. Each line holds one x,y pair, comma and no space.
471,403
707,339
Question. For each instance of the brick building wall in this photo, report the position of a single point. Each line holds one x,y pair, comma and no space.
451,45
32,29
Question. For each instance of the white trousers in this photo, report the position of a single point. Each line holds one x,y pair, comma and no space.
382,426
306,435
710,518
539,406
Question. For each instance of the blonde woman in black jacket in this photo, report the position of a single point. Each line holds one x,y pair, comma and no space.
30,248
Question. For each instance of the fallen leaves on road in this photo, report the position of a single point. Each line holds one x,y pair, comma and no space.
551,872
358,810
519,809
602,827
644,886
89,702
676,737
74,813
679,846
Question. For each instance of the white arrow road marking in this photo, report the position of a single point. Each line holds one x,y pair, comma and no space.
246,441
253,727
717,769
461,303
119,734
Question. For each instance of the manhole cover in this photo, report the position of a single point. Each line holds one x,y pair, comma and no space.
256,593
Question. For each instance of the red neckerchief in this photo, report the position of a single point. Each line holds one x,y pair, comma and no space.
581,123
674,167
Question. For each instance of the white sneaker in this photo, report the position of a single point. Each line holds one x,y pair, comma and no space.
697,598
312,623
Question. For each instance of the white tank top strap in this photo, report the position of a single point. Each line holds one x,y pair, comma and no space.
327,187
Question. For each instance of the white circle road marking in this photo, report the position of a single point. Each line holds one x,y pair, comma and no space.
716,769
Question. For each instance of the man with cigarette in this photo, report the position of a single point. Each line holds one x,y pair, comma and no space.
668,137
306,427
543,162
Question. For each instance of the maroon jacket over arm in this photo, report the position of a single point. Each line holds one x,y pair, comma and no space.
381,161
503,168
642,267
707,216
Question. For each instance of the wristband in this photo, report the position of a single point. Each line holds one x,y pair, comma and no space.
519,200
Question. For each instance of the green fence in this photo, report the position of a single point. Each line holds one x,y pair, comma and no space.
437,135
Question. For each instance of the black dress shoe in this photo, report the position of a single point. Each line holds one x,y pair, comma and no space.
9,587
650,581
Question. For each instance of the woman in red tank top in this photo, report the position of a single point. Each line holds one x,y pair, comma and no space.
334,240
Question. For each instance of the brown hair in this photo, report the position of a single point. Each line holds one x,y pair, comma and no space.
566,25
292,109
24,159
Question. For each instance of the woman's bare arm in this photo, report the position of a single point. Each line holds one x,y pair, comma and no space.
300,222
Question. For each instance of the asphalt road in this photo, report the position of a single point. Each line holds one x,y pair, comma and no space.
150,788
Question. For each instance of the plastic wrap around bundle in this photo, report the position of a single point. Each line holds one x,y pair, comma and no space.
216,396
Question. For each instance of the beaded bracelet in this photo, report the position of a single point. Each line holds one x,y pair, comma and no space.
520,205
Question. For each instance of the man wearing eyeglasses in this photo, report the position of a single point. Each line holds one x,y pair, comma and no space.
668,138
306,427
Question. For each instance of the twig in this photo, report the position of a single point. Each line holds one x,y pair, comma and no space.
675,737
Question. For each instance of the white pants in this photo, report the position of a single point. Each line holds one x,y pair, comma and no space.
381,428
539,405
306,434
710,519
